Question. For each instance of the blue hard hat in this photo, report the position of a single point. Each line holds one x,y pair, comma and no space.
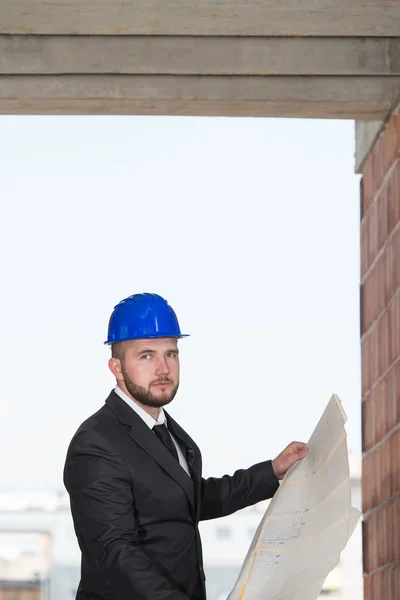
142,316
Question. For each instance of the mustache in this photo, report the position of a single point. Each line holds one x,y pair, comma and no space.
162,380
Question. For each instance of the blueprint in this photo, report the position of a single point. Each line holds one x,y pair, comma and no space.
308,522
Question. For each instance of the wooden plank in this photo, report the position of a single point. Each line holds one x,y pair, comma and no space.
323,97
183,55
196,108
193,17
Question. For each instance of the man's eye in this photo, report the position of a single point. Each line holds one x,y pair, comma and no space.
145,356
172,355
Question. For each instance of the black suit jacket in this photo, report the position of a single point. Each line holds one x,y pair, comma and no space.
136,511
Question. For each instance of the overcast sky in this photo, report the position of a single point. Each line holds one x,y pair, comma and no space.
248,227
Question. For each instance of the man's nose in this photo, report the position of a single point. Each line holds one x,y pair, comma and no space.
162,366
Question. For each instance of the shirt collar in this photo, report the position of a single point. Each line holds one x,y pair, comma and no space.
148,419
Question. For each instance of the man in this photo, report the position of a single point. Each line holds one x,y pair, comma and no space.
134,475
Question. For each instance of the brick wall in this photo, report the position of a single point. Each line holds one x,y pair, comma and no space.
380,355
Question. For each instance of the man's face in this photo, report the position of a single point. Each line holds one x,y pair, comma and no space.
150,370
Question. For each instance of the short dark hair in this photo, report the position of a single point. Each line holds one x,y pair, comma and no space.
118,350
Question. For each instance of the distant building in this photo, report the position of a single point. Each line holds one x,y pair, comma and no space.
25,563
39,555
47,546
19,590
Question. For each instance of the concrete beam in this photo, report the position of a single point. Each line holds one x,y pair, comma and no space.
367,132
366,98
183,55
194,17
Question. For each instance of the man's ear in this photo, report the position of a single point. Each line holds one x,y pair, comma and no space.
114,364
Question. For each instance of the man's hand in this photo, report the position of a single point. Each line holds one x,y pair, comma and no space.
291,454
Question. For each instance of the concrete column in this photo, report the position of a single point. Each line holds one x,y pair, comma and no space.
380,353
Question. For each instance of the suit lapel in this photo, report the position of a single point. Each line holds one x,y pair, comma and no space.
149,442
193,456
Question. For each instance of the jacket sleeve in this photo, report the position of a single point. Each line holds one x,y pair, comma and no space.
224,496
99,486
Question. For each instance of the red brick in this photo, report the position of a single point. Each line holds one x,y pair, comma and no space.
381,410
396,118
394,584
382,533
380,536
389,145
368,184
394,329
392,392
370,544
396,249
385,591
368,421
380,282
370,292
378,476
369,499
382,216
372,540
369,300
396,528
393,508
364,486
379,285
373,476
379,291
365,305
364,247
393,197
374,355
396,270
363,442
374,499
397,377
377,585
365,370
390,267
365,544
373,233
368,589
384,343
395,466
379,346
396,303
366,437
390,547
381,544
385,476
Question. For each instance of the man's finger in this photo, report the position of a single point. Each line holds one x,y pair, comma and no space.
299,447
298,451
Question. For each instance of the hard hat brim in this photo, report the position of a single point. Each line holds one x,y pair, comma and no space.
148,337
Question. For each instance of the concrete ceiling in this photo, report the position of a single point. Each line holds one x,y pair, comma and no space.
295,58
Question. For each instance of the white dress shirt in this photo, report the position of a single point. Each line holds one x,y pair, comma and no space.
150,422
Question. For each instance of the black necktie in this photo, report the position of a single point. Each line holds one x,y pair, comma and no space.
163,434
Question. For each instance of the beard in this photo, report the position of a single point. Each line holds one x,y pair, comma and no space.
145,397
